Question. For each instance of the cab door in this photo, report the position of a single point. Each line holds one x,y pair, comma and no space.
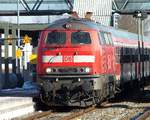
108,53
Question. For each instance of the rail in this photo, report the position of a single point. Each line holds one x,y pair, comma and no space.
38,115
80,113
142,116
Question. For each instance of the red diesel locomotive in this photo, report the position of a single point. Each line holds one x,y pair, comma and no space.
81,62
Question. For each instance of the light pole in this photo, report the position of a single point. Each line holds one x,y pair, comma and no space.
18,22
141,16
116,17
18,34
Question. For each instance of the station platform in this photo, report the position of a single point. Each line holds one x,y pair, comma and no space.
18,101
29,89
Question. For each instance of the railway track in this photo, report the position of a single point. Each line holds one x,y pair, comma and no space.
38,115
135,108
117,111
145,114
69,115
51,114
78,114
142,116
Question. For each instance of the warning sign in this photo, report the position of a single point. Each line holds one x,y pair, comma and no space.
26,39
18,53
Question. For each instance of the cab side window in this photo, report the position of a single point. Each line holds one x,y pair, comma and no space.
105,38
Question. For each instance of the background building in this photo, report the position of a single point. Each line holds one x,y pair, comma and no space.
128,23
147,26
102,9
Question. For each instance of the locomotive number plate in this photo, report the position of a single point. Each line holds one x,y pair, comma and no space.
67,58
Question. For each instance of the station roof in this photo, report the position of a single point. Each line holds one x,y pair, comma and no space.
35,7
56,7
30,10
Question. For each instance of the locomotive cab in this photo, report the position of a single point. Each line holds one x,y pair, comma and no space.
69,64
68,49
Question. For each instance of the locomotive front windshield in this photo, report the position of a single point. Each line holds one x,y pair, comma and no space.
56,37
59,37
80,38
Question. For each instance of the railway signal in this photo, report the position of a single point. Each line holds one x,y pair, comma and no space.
33,58
26,39
18,53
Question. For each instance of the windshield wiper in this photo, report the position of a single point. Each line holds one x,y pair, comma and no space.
51,60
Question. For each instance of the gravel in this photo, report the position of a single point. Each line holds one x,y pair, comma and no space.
124,110
116,111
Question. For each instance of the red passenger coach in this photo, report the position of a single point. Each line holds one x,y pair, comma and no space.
81,62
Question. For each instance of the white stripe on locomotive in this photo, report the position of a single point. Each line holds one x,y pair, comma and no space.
76,59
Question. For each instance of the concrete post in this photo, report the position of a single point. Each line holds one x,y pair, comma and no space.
6,33
14,49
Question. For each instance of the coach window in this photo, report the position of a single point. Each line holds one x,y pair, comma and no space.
136,53
149,53
145,51
133,51
55,37
127,51
146,54
124,50
80,38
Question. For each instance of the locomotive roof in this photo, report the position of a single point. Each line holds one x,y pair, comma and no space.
94,25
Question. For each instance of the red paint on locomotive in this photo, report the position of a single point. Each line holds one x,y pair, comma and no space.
70,55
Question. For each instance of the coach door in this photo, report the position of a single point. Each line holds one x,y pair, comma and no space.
108,59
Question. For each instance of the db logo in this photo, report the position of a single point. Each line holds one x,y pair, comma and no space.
67,58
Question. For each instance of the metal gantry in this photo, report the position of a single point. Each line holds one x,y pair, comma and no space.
129,7
37,7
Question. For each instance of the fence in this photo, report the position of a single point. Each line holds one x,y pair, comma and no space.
12,69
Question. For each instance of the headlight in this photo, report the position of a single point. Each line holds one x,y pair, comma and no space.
87,69
48,70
